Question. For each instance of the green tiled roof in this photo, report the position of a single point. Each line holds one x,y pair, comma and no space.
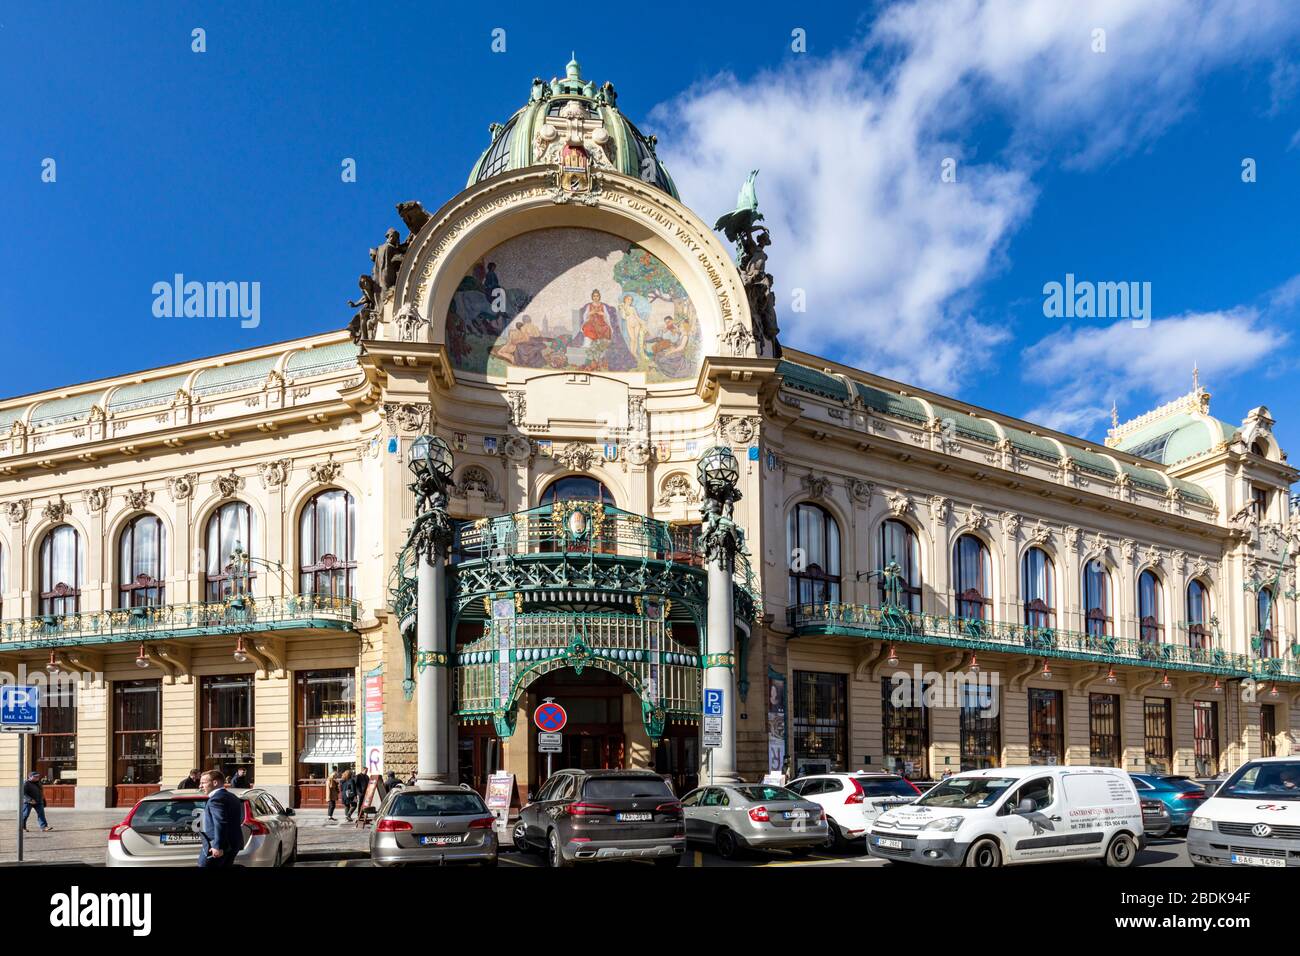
1177,437
1091,461
144,394
64,409
1144,477
1195,492
324,358
968,426
804,379
891,403
10,415
1035,445
212,381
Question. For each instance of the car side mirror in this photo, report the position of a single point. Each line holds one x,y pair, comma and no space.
1027,805
288,811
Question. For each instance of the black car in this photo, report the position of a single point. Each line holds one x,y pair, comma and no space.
582,815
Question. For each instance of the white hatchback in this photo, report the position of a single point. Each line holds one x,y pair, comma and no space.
853,800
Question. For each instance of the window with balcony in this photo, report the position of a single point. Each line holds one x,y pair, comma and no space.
140,562
327,533
1150,622
1198,616
577,488
231,526
1037,583
972,576
63,564
813,539
1098,600
898,545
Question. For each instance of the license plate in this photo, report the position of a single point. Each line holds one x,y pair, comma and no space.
889,844
795,815
632,817
441,840
171,838
1257,860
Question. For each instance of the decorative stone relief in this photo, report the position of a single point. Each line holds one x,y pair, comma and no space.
577,456
138,498
274,473
1041,533
518,449
1179,561
861,490
1201,567
1010,522
16,511
638,420
325,472
1072,536
738,429
97,498
817,486
476,480
517,399
227,486
678,485
409,322
181,487
1127,548
639,452
940,507
56,510
975,519
407,417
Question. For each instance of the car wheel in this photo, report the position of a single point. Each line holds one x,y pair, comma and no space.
1122,851
520,838
984,853
834,839
725,842
554,857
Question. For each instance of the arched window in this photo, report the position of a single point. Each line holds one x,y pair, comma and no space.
1259,448
231,526
1198,615
814,545
1150,623
898,544
140,562
1264,618
576,488
327,533
1097,601
1038,582
62,568
972,575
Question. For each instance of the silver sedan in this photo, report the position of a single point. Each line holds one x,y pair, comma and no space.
163,829
433,823
756,816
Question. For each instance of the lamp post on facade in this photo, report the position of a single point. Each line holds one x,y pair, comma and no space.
430,461
721,538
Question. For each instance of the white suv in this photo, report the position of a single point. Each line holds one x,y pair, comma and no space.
853,800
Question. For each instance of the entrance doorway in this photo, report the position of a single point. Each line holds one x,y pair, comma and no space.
594,735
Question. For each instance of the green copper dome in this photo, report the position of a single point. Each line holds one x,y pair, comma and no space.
572,110
1177,437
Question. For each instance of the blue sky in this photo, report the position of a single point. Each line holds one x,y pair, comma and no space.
1119,164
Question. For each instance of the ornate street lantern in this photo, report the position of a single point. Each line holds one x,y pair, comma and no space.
718,471
430,457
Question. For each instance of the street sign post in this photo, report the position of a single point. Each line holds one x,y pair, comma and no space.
550,719
19,713
713,706
550,743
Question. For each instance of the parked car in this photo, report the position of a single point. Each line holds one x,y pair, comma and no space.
581,815
163,829
433,823
738,817
853,800
1182,795
1016,815
1253,819
1155,817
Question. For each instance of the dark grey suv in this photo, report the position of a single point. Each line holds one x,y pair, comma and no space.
584,815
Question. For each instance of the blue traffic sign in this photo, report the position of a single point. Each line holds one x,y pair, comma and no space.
18,706
713,702
550,717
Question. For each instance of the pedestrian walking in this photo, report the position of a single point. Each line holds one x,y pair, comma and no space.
348,794
191,782
223,816
331,794
391,781
34,799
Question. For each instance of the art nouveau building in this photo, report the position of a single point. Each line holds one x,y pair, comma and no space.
218,549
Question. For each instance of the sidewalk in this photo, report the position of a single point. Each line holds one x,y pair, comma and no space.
81,836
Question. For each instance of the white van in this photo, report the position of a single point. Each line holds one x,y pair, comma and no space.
1016,815
1252,820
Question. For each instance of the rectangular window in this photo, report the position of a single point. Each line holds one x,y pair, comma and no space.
1267,731
54,748
906,729
1103,730
1046,727
981,736
137,731
1205,729
226,724
821,725
325,738
1158,717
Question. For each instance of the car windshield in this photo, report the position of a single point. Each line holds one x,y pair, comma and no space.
161,813
625,788
436,804
886,787
767,792
1277,781
967,792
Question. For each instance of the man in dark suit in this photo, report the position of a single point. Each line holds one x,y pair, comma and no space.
223,817
189,783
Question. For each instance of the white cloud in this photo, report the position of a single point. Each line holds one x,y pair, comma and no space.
851,146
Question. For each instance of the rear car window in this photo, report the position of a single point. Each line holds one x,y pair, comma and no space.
162,813
437,804
886,787
1182,784
767,792
625,788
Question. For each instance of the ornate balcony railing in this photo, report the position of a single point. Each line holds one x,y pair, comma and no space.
240,615
517,649
890,622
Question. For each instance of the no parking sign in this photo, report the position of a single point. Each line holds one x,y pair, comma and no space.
550,717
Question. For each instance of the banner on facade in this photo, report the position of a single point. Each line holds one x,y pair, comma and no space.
775,721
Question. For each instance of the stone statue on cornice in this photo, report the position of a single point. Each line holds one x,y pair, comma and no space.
741,227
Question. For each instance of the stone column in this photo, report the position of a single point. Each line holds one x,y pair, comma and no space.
721,538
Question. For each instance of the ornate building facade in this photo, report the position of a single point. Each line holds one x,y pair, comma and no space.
221,553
